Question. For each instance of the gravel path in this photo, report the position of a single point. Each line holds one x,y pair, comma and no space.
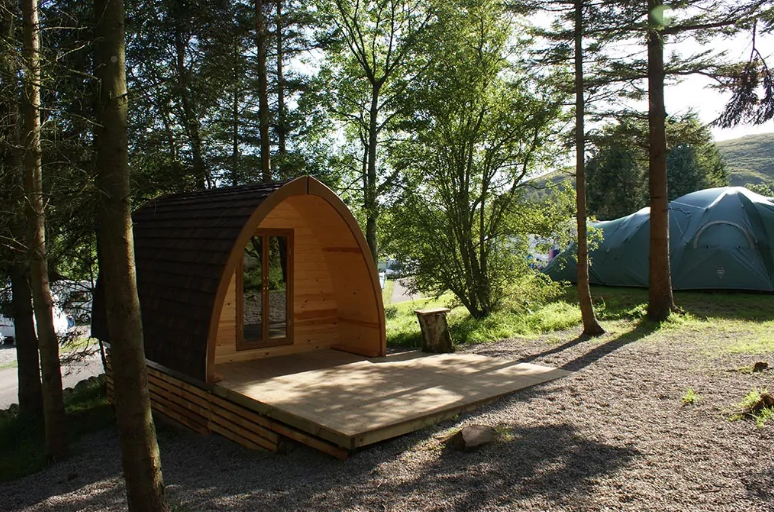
613,436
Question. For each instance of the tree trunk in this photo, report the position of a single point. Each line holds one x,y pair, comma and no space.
191,118
53,404
139,449
435,330
590,325
660,299
281,131
28,362
235,116
371,204
263,92
28,370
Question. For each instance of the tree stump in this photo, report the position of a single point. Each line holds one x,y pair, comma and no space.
435,330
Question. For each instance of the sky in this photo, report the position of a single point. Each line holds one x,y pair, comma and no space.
694,93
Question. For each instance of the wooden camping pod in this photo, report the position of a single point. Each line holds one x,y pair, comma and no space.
320,318
188,248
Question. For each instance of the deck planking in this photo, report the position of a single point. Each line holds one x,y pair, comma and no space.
353,401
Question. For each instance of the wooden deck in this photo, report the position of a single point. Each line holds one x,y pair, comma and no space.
354,401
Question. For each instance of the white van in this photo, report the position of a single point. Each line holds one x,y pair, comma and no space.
8,331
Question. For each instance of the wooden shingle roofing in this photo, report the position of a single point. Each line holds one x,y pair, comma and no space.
182,244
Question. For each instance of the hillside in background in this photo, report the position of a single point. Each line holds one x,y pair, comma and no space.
750,159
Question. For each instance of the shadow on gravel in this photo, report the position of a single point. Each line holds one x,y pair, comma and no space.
548,465
89,463
552,466
551,463
643,329
760,484
598,350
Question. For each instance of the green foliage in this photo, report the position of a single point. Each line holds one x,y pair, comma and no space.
617,173
533,306
22,441
760,188
479,128
690,397
375,50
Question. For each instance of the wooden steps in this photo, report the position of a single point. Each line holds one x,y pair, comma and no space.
202,411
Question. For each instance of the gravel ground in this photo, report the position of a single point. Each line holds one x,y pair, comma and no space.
612,436
7,355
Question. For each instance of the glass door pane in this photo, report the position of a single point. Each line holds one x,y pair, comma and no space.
252,290
277,286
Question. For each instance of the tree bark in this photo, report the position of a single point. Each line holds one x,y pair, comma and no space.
235,119
591,326
281,129
53,403
263,92
191,117
28,369
371,205
28,362
139,449
660,298
435,331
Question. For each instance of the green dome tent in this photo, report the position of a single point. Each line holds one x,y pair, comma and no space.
719,239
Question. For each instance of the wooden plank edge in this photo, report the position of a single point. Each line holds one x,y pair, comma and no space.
278,415
206,408
190,416
183,393
207,392
339,447
237,430
202,412
234,437
178,418
267,434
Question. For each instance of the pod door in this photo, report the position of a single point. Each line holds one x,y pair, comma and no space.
264,290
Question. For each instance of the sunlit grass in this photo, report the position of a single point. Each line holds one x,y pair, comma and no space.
718,322
389,285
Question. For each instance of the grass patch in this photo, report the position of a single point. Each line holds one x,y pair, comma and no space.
73,342
756,406
22,441
12,364
403,327
690,397
721,322
389,286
